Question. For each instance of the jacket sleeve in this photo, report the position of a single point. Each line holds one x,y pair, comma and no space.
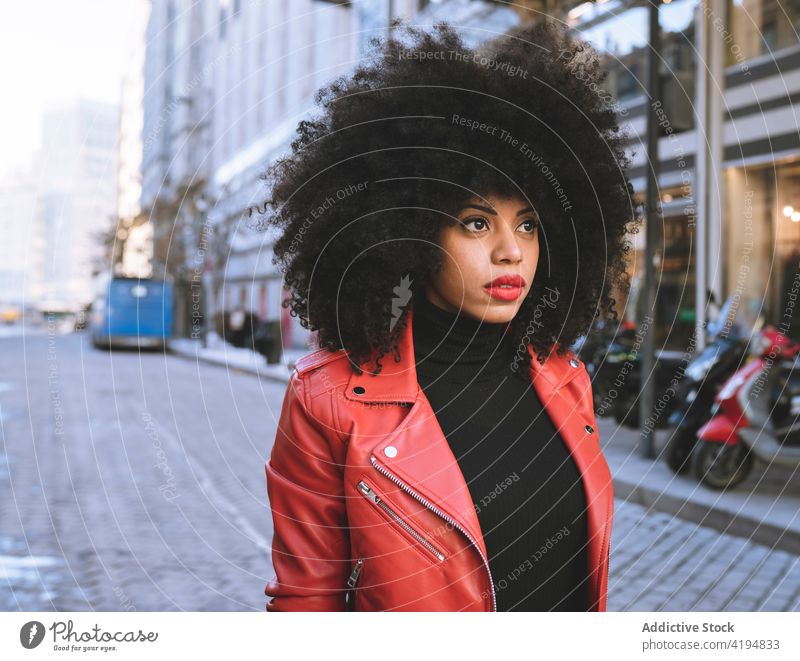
311,543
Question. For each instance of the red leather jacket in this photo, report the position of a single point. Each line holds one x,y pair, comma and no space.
371,511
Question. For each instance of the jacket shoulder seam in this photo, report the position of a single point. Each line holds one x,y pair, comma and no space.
337,420
317,359
329,422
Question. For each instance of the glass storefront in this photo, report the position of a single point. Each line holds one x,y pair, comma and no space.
675,279
761,226
760,27
760,233
619,31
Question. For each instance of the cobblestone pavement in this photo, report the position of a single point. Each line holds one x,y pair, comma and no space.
662,563
135,481
131,481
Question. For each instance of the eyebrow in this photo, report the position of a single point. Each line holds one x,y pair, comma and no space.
480,207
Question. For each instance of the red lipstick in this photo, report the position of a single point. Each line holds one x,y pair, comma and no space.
505,287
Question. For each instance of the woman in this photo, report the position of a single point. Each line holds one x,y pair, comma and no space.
449,226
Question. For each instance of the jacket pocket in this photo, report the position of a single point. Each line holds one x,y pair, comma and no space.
370,494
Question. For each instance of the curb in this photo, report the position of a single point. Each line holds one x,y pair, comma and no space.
765,533
752,511
271,373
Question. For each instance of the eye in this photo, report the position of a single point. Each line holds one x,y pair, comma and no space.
480,223
531,224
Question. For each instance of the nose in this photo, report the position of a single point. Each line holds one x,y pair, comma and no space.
506,249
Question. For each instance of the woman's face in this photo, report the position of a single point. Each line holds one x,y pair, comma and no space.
494,238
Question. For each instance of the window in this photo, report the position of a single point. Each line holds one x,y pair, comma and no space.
283,61
223,22
262,301
769,26
308,78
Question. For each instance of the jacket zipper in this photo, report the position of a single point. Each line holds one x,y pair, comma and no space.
365,489
351,582
447,518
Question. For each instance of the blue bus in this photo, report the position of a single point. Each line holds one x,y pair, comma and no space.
132,312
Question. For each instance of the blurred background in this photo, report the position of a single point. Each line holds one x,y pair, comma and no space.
134,133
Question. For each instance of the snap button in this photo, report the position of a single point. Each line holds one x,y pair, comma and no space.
573,362
589,429
390,451
359,390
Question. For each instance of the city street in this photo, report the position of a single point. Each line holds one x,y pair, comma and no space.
130,481
135,481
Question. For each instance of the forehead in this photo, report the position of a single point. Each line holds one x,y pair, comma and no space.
497,201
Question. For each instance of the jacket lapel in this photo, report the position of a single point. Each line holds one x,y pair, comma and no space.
417,451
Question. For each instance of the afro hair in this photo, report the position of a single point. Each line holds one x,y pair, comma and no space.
369,181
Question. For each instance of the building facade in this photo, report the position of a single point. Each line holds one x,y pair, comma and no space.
755,238
226,83
137,232
77,198
22,247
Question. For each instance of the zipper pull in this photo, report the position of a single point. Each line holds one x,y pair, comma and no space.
351,582
369,493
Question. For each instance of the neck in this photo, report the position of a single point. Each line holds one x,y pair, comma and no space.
456,343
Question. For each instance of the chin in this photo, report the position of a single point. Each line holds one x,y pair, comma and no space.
506,315
497,312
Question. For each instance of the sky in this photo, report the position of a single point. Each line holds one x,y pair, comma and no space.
630,29
53,50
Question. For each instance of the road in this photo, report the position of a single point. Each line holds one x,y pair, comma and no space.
131,480
135,481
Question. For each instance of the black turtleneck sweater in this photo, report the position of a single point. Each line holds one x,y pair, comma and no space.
525,486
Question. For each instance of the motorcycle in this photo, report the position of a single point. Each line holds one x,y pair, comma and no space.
727,338
755,415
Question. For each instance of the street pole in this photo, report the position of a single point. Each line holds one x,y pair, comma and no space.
207,293
647,377
709,184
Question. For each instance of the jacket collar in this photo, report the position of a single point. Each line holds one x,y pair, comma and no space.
397,381
417,453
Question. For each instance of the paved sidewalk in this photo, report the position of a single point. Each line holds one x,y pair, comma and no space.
764,509
221,353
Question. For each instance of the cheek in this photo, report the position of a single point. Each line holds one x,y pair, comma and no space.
463,259
532,254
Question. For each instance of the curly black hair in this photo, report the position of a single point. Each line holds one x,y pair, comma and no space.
369,182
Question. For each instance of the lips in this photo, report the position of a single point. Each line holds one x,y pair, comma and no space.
505,287
507,280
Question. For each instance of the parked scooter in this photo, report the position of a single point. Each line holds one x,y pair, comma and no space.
727,338
627,405
613,359
601,350
756,415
